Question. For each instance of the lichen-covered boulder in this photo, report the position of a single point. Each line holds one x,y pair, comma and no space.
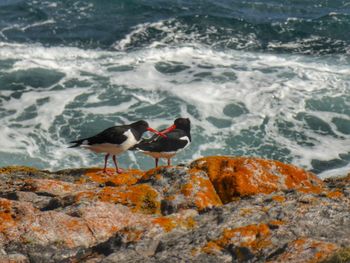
80,226
128,177
218,209
242,176
160,191
140,198
182,188
246,240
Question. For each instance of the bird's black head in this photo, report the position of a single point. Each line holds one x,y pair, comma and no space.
183,124
140,126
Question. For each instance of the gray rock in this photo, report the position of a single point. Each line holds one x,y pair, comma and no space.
257,228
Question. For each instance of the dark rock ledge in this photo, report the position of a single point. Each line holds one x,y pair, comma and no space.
216,209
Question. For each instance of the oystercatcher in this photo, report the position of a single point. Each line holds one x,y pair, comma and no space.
115,140
178,138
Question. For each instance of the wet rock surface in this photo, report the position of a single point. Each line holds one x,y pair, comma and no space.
216,209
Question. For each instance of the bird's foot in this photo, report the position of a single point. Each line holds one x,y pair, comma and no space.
107,172
119,171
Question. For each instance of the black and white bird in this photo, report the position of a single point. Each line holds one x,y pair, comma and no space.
115,140
178,137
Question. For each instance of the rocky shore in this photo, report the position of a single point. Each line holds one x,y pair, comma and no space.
215,209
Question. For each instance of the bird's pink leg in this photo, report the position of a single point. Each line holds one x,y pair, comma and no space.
119,171
105,168
156,160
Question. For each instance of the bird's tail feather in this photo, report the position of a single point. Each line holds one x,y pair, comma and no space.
139,146
77,143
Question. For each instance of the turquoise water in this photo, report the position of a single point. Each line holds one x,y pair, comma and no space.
268,79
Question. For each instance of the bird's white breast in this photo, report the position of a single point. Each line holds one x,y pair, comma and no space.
114,149
185,138
130,141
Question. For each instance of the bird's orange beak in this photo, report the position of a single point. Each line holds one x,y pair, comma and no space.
169,129
156,132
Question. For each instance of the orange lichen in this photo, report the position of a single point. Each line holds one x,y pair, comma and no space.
255,237
166,223
197,189
276,222
212,248
279,198
187,189
38,229
142,198
189,222
335,194
72,224
307,250
131,235
202,190
85,195
54,187
6,219
153,173
14,169
230,177
297,178
198,192
243,176
128,177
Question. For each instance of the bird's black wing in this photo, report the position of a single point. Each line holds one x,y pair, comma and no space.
170,144
114,135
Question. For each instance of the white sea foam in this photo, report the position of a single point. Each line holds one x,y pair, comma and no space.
202,83
23,28
110,109
337,172
176,32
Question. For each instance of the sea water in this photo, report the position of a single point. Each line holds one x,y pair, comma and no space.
268,79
